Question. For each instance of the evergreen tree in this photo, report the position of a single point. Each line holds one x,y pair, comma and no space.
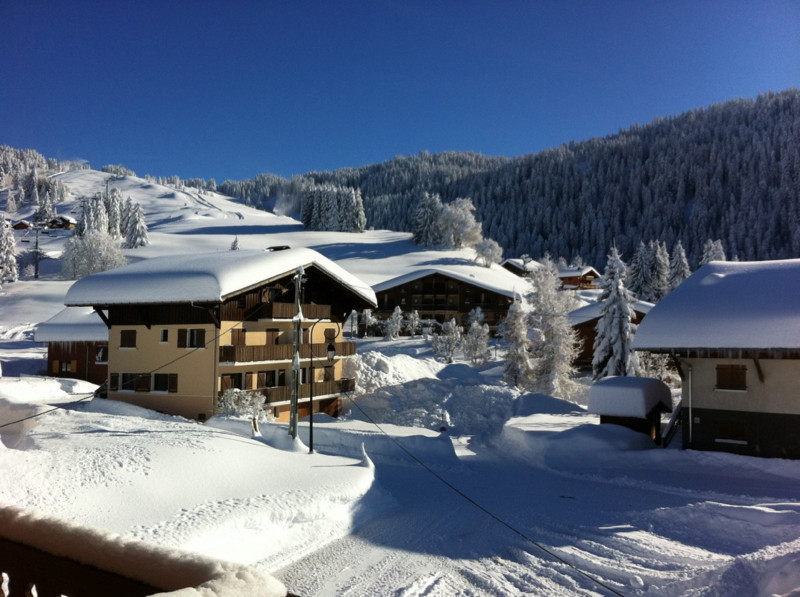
125,215
9,270
712,251
660,280
99,213
413,325
235,243
678,266
46,211
114,211
519,366
136,234
615,330
427,231
615,270
638,278
11,204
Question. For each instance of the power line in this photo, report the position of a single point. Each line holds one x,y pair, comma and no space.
484,509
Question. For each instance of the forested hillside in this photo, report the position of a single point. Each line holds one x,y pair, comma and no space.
728,172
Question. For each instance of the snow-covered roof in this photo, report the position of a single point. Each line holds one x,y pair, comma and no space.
573,272
519,264
628,396
73,324
495,279
203,277
593,311
745,305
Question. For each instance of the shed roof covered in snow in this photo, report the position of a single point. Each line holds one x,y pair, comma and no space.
629,396
73,324
204,277
728,305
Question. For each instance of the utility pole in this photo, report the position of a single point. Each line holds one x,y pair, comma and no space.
298,336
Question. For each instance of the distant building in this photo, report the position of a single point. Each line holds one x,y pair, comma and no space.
733,330
449,292
77,344
584,321
183,329
572,278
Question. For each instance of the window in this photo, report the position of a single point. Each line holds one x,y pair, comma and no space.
127,382
127,339
731,377
66,366
164,336
192,338
101,356
161,382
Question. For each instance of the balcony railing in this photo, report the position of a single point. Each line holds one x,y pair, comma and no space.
281,352
321,388
60,558
286,311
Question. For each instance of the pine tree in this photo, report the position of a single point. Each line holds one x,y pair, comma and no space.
660,281
114,210
136,233
235,243
638,272
678,266
413,326
9,270
712,251
427,231
615,329
519,367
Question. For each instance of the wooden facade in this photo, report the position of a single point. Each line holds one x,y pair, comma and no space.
440,298
78,360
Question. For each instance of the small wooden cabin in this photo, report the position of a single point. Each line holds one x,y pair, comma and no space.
77,345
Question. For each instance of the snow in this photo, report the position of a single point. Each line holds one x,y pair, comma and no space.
202,277
594,309
629,396
639,519
73,324
728,305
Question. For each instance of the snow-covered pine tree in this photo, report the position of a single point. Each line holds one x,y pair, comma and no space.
514,329
660,281
352,210
678,266
712,251
556,345
136,233
427,231
476,343
615,270
11,204
99,213
615,330
9,269
637,277
46,211
394,324
125,215
114,210
235,243
448,342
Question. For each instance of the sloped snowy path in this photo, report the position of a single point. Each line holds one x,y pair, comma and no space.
637,537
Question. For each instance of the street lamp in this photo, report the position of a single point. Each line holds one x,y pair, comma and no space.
331,354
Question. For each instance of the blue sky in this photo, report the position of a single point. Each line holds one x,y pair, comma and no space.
228,90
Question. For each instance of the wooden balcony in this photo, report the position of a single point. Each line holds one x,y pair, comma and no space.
321,388
54,558
286,311
281,352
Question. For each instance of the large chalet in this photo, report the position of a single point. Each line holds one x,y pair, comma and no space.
183,329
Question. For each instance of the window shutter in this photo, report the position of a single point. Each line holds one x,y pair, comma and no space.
182,338
261,382
173,382
201,338
127,339
113,382
56,366
248,381
73,366
143,382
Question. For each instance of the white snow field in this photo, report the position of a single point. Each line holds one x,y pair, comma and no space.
522,494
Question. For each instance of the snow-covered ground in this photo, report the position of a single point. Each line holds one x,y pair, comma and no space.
521,494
